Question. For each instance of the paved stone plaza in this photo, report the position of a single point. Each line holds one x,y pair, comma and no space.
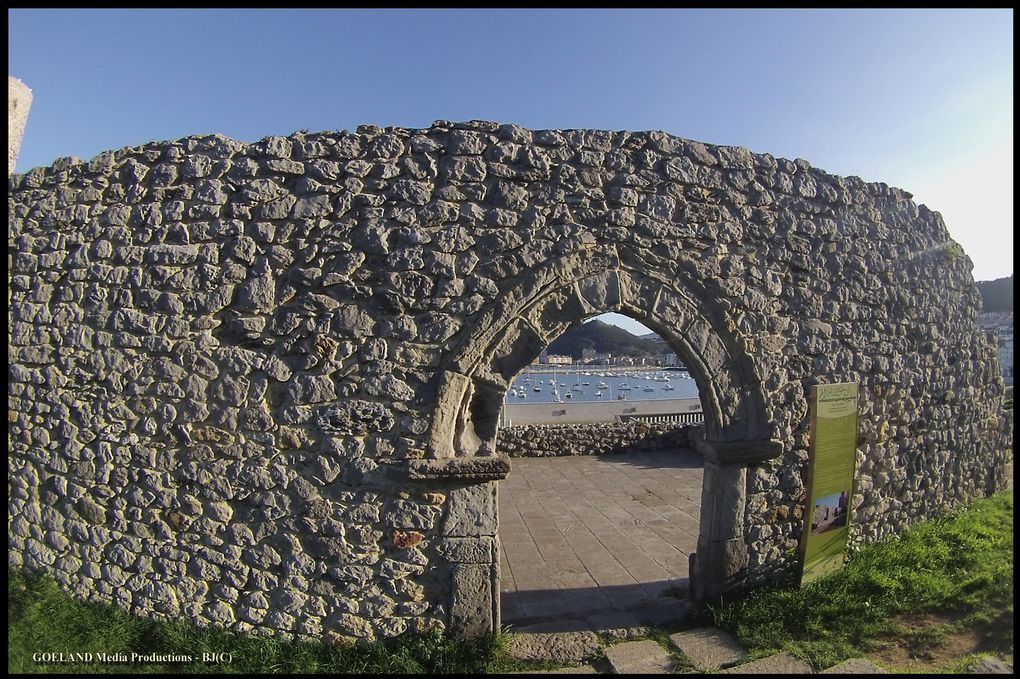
596,536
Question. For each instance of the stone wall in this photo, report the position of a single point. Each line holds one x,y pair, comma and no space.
258,385
561,440
19,100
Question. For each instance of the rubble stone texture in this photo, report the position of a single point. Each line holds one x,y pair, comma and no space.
557,440
257,386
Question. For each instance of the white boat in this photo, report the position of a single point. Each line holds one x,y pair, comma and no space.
603,385
668,387
598,394
537,389
623,387
576,387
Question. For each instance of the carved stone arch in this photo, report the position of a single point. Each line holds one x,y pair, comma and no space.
530,316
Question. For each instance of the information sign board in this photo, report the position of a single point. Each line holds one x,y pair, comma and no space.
830,479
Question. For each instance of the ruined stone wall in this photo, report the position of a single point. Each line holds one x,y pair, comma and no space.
232,365
561,440
19,100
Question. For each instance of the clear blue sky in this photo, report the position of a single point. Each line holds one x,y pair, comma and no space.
922,100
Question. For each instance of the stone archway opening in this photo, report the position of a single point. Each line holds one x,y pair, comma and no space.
595,280
600,512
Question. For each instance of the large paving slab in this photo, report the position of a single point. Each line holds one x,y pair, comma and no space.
781,663
558,646
581,669
855,666
586,536
709,648
639,657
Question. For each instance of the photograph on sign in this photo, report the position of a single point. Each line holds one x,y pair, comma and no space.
830,512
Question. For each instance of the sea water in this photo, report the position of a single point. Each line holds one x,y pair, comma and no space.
602,383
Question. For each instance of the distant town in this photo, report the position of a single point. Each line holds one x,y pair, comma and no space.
600,344
998,326
592,357
997,320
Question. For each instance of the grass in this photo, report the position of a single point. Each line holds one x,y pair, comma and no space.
42,619
958,567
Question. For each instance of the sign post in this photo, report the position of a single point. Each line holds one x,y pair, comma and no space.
833,457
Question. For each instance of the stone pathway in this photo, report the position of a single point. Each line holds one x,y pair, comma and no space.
591,544
587,536
706,649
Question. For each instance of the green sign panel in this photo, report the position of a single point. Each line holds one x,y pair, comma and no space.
830,479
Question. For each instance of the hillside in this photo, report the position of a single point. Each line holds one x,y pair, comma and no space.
997,295
604,338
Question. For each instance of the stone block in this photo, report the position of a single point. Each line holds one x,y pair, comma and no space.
856,666
601,291
471,511
781,663
556,646
474,594
639,657
709,648
467,550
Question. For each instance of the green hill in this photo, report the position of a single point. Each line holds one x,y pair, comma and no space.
996,295
606,339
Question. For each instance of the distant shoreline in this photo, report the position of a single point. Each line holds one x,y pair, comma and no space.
600,368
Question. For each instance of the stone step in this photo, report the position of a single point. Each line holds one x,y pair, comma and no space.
709,648
639,657
780,663
566,647
583,669
855,666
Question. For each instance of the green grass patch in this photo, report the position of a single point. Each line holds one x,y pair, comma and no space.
960,564
41,619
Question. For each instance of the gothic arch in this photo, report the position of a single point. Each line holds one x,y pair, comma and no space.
582,284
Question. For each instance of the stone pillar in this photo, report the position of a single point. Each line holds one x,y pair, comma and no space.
721,559
720,563
19,99
468,539
470,535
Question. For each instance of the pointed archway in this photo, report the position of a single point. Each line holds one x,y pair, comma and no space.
508,336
